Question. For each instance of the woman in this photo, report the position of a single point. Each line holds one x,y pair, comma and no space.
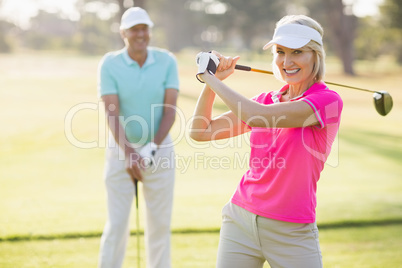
271,216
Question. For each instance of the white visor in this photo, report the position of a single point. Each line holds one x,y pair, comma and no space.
294,36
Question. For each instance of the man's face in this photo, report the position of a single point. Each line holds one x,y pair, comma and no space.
137,37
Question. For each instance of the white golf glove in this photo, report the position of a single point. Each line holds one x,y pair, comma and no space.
147,154
206,61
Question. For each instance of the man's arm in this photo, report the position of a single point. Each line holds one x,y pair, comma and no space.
169,115
132,158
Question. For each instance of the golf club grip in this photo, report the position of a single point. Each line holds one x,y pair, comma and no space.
242,67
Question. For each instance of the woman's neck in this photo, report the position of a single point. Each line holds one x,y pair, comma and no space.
298,89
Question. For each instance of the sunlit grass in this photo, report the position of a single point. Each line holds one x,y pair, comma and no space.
369,247
49,186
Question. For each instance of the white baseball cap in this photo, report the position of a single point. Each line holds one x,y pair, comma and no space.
294,36
134,16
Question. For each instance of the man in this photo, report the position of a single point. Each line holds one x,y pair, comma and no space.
139,87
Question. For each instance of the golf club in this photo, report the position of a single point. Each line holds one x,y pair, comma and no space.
382,99
137,223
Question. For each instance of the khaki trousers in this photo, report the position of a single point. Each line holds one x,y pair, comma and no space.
248,240
157,189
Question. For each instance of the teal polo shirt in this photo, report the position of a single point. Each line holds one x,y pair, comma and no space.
141,90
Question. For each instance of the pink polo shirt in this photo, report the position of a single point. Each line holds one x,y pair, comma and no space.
285,163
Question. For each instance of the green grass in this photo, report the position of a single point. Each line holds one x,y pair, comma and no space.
52,189
369,247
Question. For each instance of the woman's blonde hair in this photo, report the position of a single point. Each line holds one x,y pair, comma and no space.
319,62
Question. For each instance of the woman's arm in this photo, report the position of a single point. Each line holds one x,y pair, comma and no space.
279,115
206,128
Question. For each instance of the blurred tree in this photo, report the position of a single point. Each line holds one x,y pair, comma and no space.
178,24
392,13
207,23
213,24
122,5
90,34
233,23
93,34
114,21
122,8
254,19
125,4
370,39
343,25
98,28
5,29
340,27
167,15
49,31
391,16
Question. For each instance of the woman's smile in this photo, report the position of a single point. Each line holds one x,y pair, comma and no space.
291,71
296,67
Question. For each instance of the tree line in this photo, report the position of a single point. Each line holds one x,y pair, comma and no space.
213,24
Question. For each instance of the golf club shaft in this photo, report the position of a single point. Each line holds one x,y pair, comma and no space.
137,223
247,68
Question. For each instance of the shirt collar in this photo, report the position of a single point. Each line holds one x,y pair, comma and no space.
276,97
129,61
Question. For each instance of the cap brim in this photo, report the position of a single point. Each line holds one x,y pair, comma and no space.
289,42
130,24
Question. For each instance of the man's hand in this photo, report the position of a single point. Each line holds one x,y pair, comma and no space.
206,61
147,154
133,160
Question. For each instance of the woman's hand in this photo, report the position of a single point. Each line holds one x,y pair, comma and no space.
226,65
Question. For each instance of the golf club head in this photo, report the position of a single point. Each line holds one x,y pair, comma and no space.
382,102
